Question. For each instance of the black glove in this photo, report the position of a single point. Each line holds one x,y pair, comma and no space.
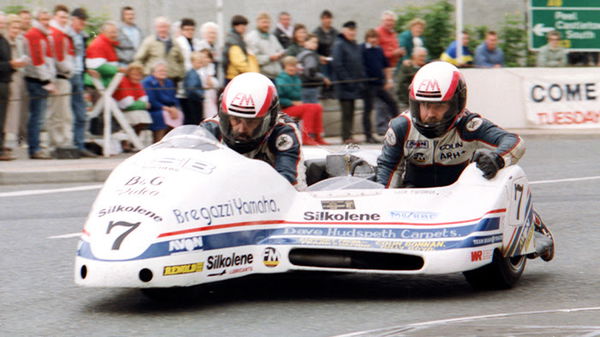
488,162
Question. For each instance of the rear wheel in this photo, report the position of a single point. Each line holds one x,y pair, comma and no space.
502,273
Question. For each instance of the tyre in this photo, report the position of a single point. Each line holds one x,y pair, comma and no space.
502,273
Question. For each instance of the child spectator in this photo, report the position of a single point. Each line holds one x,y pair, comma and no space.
194,90
378,69
311,76
210,83
289,88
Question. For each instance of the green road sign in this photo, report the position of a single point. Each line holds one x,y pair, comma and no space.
578,21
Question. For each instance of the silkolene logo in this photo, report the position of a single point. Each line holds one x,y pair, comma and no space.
344,216
220,261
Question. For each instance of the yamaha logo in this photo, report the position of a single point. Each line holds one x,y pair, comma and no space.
271,257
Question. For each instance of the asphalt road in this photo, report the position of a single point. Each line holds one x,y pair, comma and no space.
39,297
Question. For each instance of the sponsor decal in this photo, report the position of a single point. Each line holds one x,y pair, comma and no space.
366,233
345,216
412,215
284,142
422,246
429,88
187,244
175,164
453,146
474,124
183,269
233,207
390,137
240,270
220,261
337,204
129,209
451,155
487,240
140,186
354,243
419,157
481,255
271,257
417,144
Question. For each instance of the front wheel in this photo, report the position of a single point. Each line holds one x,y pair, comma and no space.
502,273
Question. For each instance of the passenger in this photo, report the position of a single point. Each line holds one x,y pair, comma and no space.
250,122
433,144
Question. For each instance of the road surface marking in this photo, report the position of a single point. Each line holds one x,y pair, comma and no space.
563,180
48,191
462,319
66,236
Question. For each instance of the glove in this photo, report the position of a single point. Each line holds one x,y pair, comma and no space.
488,162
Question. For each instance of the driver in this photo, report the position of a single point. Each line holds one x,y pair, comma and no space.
250,122
433,144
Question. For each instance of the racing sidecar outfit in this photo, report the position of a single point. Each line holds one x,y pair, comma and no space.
410,159
281,148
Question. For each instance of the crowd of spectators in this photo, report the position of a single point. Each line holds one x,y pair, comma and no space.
47,62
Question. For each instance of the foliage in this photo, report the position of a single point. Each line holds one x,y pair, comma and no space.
94,23
513,34
439,30
13,9
476,35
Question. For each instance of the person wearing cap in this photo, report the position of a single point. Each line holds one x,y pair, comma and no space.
78,105
349,72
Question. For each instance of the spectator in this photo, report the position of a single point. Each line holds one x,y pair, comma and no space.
39,76
326,35
179,63
130,36
311,76
161,95
101,56
182,50
289,88
17,110
299,37
450,54
210,84
7,66
25,16
552,54
348,69
236,58
487,54
377,68
265,46
387,38
412,37
194,90
78,105
59,122
209,33
133,101
284,30
157,46
407,71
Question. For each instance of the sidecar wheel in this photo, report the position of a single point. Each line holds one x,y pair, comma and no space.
502,273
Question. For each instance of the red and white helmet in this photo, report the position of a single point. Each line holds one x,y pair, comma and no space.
251,96
437,82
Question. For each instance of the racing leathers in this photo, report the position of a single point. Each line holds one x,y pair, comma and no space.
280,148
409,159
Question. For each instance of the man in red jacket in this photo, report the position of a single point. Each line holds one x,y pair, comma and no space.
60,118
40,76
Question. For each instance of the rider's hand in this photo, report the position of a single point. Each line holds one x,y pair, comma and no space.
488,162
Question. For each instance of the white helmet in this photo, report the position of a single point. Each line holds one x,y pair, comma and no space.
437,82
252,96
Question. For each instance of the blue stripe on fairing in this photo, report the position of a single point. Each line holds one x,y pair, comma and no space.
272,237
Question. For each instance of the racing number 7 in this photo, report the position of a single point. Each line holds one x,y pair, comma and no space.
519,188
119,240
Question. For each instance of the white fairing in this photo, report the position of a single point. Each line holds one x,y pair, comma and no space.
188,211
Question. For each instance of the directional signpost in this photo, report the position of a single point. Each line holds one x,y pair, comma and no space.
578,21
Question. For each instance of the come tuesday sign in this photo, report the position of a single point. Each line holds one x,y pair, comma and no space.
578,21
